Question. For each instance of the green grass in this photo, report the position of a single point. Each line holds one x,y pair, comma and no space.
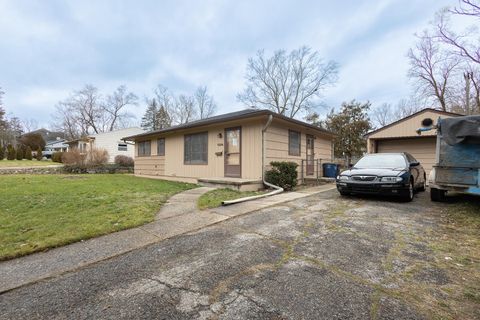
44,211
214,198
25,163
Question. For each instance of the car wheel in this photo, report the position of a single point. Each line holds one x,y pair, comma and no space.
411,191
423,187
343,193
437,195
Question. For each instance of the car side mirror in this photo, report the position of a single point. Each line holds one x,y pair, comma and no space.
414,164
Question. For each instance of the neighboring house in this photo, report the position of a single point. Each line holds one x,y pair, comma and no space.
231,148
110,141
401,136
58,145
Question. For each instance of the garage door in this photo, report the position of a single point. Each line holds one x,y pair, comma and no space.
423,149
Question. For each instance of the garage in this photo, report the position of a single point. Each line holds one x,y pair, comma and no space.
422,148
401,136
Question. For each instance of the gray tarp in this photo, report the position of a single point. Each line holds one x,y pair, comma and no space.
459,129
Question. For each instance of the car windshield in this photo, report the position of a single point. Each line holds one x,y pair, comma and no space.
390,161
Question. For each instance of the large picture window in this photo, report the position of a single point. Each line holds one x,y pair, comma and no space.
143,148
294,143
161,147
196,148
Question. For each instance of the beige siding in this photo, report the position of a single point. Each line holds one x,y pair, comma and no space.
408,127
110,140
422,148
172,164
277,143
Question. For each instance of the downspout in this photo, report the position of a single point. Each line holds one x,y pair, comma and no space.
276,190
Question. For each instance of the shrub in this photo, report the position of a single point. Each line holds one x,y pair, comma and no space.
39,155
97,157
10,152
28,153
73,158
2,152
33,140
124,161
282,174
57,156
19,153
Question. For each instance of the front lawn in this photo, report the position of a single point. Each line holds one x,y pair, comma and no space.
26,163
214,198
45,211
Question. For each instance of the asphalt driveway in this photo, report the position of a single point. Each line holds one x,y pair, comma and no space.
319,257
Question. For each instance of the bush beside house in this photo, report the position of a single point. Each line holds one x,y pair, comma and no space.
94,161
124,161
283,174
57,157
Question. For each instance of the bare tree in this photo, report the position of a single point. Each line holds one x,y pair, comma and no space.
466,45
407,107
184,110
114,107
387,113
29,125
287,83
382,115
86,111
432,68
204,103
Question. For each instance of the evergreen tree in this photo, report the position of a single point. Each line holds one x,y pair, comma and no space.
2,152
39,155
28,153
19,153
163,119
149,119
10,152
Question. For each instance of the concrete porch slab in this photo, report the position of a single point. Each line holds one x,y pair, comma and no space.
232,183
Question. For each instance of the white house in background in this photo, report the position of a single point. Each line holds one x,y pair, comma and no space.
110,141
58,145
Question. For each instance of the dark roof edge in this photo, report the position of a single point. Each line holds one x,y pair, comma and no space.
205,122
411,116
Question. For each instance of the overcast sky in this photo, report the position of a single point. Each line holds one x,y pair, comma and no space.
49,48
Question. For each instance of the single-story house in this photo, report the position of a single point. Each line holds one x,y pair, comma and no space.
232,148
401,136
111,141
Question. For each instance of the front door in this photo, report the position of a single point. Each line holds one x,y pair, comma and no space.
233,152
310,155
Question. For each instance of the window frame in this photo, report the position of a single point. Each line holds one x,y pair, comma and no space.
149,148
290,151
189,162
121,145
161,154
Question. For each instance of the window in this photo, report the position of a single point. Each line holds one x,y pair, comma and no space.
294,139
122,147
196,148
143,148
161,147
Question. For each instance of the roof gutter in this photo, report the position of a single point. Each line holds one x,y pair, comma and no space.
276,190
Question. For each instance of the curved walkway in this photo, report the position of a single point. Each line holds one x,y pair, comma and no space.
178,216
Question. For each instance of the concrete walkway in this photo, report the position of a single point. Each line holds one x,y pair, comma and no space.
178,216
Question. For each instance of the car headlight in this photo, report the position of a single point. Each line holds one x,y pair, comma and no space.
391,179
343,178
